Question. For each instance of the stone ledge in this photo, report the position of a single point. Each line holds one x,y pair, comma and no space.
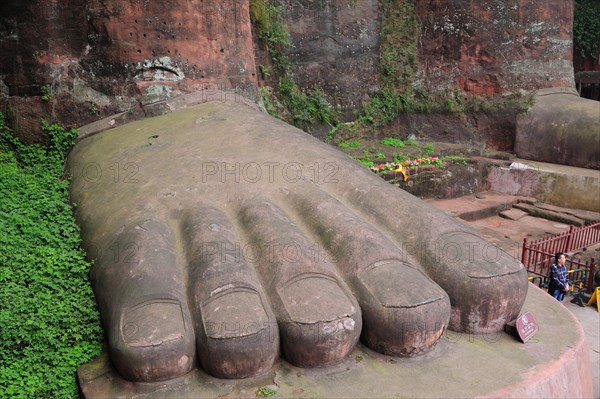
160,108
559,185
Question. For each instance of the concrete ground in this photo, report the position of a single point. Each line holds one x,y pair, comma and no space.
508,235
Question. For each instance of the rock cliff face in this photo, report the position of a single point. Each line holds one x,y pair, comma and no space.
79,60
156,49
335,47
495,47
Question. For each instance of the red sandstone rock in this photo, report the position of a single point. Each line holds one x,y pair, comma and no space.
487,48
102,57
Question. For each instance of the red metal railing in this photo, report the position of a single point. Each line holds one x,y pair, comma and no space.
538,255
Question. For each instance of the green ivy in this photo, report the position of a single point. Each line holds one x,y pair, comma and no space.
350,144
267,20
49,323
586,27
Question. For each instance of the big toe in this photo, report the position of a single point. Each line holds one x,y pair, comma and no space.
152,342
140,291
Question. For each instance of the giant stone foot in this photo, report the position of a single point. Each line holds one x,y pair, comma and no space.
223,238
560,127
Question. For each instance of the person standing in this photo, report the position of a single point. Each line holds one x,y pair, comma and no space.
559,278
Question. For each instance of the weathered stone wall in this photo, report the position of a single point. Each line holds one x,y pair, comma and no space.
480,47
335,47
491,47
98,57
160,48
35,33
39,43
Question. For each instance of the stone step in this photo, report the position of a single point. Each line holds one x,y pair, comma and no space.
513,214
550,214
587,216
478,206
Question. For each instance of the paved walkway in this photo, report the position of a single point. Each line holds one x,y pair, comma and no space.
508,235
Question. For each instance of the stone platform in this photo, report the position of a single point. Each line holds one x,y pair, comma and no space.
554,363
560,185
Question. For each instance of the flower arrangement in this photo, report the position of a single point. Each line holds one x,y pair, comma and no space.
401,167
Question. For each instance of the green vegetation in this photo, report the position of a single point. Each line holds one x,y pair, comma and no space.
586,28
456,159
266,97
366,159
399,158
265,70
397,61
429,149
526,103
350,144
49,323
398,65
45,93
265,392
380,155
302,108
266,17
93,109
398,50
392,142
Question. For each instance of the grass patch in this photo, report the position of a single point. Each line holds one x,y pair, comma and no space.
45,93
49,323
350,144
392,142
366,159
456,159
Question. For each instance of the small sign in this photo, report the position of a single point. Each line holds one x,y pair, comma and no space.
526,326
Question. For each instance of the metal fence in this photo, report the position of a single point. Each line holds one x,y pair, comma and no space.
538,255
